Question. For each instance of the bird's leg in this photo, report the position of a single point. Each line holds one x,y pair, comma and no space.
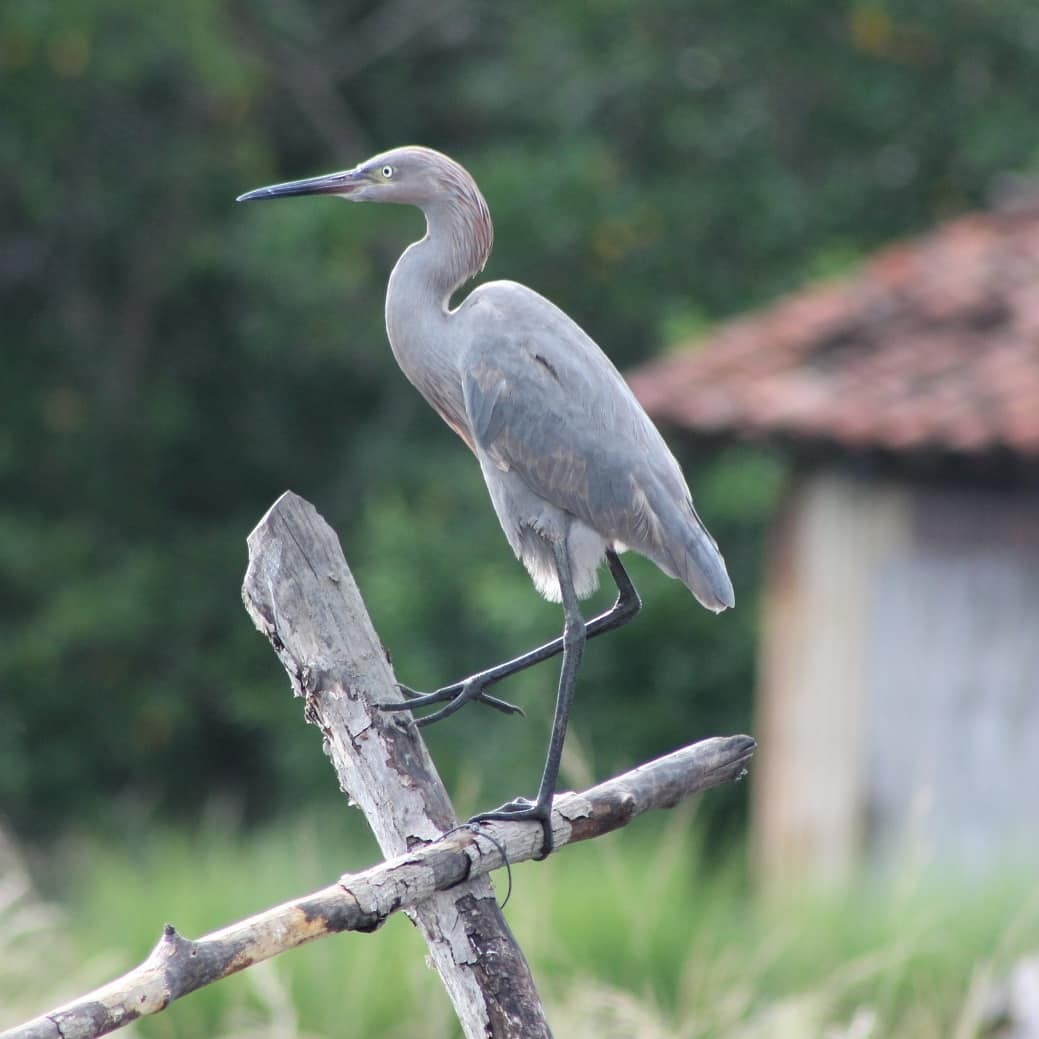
474,687
573,640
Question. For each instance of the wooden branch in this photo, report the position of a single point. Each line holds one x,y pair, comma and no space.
363,901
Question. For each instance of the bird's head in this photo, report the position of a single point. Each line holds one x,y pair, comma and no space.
411,176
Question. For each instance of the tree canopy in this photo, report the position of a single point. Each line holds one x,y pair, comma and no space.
172,362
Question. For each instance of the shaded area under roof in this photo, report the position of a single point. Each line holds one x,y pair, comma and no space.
933,345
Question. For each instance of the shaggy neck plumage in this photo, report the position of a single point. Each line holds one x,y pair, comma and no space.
457,244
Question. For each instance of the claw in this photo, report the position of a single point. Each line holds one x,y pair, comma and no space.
522,808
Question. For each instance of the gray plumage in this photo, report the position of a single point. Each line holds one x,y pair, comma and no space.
575,468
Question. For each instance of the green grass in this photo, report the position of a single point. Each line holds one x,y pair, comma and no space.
632,936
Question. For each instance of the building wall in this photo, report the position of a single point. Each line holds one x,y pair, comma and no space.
898,700
953,680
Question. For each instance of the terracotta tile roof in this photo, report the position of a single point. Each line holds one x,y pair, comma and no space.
932,345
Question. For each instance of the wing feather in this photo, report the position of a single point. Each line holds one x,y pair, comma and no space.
544,402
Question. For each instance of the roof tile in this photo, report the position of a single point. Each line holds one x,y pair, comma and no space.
933,344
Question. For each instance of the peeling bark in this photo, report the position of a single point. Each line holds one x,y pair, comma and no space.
301,594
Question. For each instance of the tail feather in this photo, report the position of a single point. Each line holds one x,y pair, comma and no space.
661,523
701,568
693,556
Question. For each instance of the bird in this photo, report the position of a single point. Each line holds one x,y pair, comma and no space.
576,470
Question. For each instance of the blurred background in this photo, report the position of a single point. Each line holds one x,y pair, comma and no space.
863,446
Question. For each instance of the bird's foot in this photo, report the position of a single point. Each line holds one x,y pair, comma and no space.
456,696
522,809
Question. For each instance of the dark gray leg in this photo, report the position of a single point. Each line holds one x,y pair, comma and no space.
475,686
573,640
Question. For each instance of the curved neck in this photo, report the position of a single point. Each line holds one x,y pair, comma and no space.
458,241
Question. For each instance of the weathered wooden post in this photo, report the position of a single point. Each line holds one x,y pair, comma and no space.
300,593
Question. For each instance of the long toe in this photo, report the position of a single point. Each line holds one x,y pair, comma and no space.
414,699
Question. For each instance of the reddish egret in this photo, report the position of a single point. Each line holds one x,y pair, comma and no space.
576,470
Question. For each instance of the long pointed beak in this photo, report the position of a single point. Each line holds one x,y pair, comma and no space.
330,184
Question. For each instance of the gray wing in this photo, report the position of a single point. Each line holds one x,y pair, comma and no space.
544,402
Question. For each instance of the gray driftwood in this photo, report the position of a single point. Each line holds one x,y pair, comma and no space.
301,594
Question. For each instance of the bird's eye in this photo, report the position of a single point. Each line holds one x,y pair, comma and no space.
387,172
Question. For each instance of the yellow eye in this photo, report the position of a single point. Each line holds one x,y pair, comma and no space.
387,172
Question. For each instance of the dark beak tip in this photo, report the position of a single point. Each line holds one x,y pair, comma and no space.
330,184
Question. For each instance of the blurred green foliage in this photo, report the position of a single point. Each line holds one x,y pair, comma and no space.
171,363
694,956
